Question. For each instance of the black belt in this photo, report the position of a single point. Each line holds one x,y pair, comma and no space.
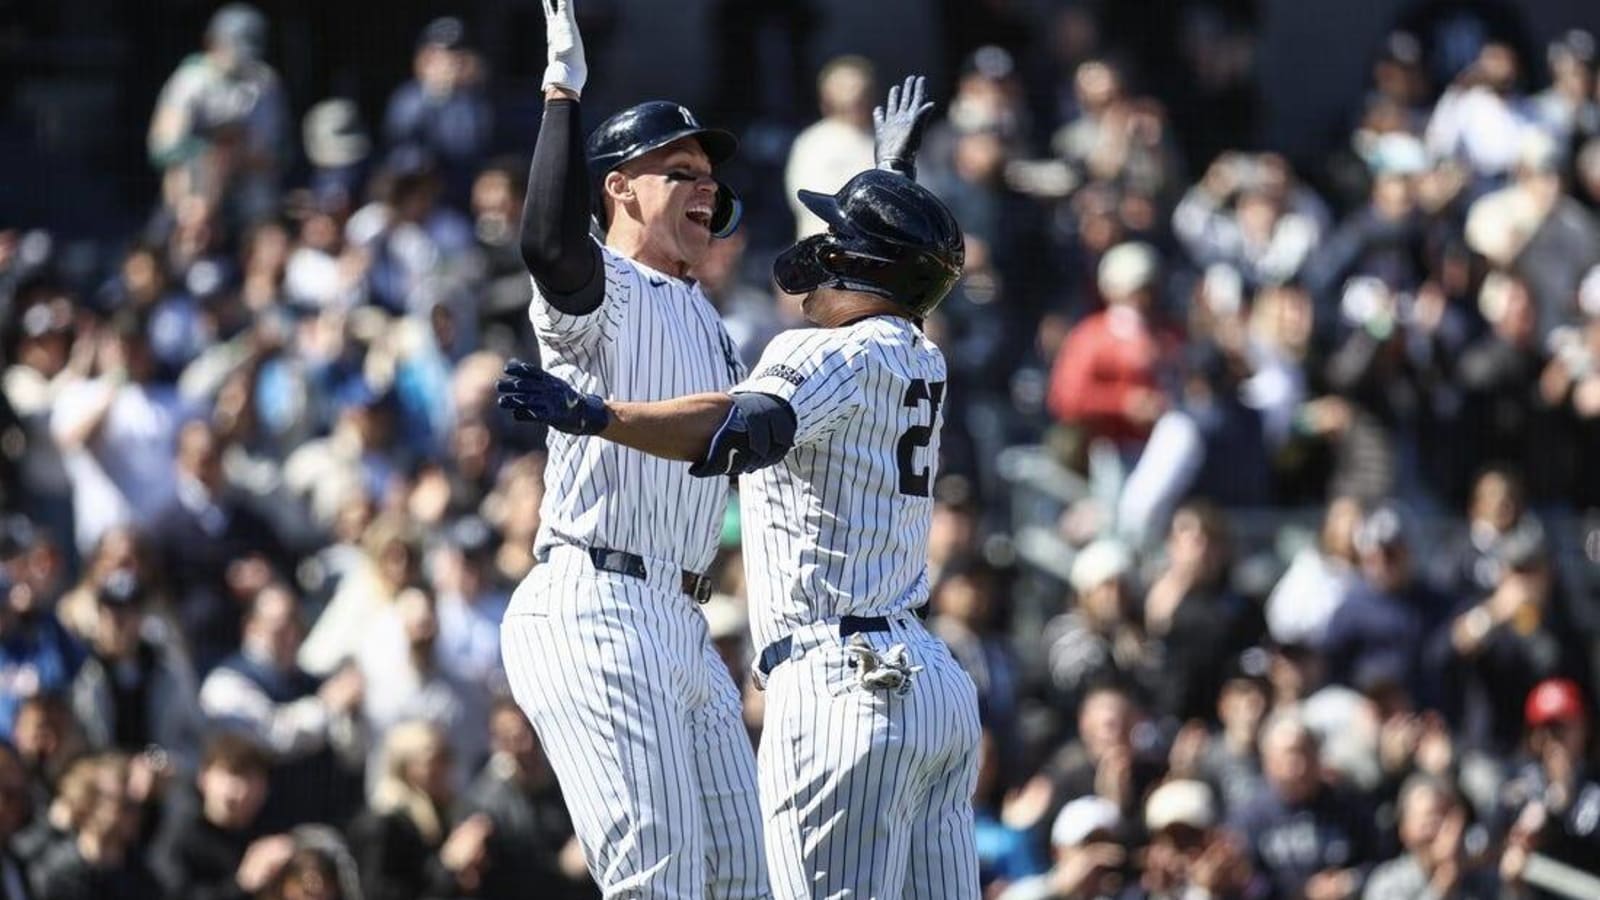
778,650
632,565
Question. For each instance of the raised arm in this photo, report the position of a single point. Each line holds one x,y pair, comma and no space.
555,240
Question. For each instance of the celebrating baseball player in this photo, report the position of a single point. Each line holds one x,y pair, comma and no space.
869,753
604,646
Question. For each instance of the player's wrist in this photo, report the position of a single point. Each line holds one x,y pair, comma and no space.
564,79
559,92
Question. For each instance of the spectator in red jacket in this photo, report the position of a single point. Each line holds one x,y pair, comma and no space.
1106,377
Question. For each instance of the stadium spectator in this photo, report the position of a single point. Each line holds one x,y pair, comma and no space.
220,129
307,727
1483,116
1433,825
1103,760
37,654
211,846
967,617
47,740
1188,854
1319,579
443,109
98,856
1384,622
1230,759
1306,837
1098,639
1089,860
1495,649
117,432
1248,213
531,839
404,844
827,152
1192,615
202,538
1107,378
136,690
1556,789
400,663
1006,851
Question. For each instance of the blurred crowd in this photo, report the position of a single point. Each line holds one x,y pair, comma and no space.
261,518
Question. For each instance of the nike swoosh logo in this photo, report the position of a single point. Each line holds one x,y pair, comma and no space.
572,403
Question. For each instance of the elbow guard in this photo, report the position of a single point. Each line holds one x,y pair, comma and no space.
758,432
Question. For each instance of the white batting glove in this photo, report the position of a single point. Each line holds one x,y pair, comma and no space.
566,68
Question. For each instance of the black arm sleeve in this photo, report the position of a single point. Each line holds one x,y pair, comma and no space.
555,218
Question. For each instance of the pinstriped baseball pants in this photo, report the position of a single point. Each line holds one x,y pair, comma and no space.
641,723
868,794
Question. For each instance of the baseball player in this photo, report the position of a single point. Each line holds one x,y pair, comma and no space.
604,645
869,752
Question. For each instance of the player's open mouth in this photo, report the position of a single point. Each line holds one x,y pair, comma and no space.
700,216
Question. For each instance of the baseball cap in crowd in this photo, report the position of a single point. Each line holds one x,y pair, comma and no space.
1083,818
1180,802
1098,563
472,536
1396,154
334,136
1554,700
1252,664
1127,269
1381,529
991,62
446,32
241,27
121,590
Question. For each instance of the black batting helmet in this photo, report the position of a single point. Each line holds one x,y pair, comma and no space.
887,235
652,125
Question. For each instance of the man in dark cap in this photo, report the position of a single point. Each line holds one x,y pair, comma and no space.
136,693
1385,620
443,108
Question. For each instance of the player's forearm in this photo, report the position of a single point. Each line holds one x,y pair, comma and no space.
680,428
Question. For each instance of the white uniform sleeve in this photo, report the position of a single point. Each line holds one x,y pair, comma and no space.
565,330
813,371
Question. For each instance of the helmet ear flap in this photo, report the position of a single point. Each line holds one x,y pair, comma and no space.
729,210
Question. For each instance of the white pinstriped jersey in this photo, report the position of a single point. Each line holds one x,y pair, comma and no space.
653,337
840,527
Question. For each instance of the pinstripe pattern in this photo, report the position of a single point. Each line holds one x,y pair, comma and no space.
653,338
867,794
636,712
830,532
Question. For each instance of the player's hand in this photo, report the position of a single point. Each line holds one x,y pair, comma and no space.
564,47
534,395
898,125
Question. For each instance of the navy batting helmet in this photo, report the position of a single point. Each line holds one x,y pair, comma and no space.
652,125
887,235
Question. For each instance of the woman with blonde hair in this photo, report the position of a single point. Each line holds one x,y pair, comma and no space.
392,563
403,844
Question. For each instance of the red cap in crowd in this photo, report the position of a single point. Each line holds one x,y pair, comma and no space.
1554,700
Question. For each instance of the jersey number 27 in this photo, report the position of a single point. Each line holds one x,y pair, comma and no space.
913,481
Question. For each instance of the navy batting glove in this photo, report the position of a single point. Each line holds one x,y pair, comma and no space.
534,395
898,124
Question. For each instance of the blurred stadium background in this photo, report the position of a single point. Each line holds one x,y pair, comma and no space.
1269,525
